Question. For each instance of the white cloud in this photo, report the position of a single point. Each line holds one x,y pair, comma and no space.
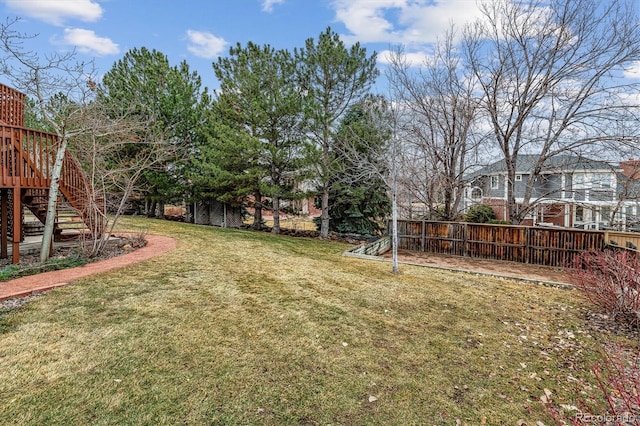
633,71
56,12
267,5
406,22
630,99
413,59
205,45
86,41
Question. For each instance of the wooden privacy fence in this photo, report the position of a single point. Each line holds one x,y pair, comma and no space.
547,246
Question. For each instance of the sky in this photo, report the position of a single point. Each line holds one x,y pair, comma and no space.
199,31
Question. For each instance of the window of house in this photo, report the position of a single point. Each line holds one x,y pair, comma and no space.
628,211
601,181
518,178
618,216
578,181
579,214
476,193
495,182
630,215
605,214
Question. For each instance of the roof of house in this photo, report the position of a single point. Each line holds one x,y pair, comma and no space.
526,162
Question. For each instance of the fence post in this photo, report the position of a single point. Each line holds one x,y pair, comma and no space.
527,245
464,238
423,236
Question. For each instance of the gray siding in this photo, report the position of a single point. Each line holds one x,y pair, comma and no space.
520,187
601,195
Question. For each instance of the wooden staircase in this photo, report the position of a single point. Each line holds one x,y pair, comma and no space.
26,162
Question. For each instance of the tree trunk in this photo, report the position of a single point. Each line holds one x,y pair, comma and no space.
47,237
326,178
394,207
324,217
257,212
276,215
448,201
152,209
510,195
394,230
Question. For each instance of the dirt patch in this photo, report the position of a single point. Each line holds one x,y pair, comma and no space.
492,267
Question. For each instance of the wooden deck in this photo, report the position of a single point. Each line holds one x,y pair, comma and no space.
26,163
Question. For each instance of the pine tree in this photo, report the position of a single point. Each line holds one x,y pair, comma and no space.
358,199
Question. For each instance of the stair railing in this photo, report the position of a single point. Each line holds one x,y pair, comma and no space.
28,156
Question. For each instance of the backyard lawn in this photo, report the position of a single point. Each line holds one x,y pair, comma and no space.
241,327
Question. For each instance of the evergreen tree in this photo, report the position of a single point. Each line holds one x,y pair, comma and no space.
333,78
169,99
261,103
358,199
225,165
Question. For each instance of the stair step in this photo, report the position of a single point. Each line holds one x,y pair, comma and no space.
33,228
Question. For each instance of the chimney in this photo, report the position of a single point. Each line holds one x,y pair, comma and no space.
631,168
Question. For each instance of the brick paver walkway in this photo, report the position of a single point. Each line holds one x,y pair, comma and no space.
156,245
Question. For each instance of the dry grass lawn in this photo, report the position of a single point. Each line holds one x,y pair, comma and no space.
240,327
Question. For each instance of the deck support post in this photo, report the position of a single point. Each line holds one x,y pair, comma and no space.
17,225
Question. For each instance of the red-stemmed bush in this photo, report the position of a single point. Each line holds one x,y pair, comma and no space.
618,379
610,280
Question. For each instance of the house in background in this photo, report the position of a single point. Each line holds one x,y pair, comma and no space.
570,191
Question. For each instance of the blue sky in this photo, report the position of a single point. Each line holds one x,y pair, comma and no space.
199,31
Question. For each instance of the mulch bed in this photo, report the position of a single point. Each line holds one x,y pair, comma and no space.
114,248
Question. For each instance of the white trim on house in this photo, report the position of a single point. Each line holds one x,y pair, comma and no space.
594,190
495,181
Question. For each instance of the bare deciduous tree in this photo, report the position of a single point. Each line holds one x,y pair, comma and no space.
115,158
58,85
549,77
371,158
439,111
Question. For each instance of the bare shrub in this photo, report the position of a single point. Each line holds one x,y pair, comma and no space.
138,239
611,281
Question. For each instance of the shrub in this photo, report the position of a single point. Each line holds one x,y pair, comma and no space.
480,213
610,280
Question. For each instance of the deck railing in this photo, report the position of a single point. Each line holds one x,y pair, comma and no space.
11,106
27,158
